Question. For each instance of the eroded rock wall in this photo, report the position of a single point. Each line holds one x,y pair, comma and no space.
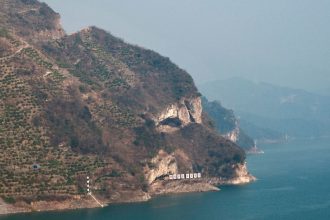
233,135
180,114
161,165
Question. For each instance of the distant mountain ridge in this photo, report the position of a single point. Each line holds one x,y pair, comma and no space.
227,124
281,110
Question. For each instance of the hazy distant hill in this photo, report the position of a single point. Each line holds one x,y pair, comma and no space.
272,109
227,124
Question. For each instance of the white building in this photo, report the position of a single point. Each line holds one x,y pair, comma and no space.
184,176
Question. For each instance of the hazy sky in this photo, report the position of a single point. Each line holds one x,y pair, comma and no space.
286,42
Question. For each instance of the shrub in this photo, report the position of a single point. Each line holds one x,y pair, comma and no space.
4,33
9,200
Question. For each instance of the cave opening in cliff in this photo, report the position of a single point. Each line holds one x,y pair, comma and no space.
173,122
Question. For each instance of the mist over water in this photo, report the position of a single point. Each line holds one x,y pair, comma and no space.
292,184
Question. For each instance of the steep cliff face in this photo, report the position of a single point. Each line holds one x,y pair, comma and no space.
31,20
162,165
240,176
233,135
180,114
89,104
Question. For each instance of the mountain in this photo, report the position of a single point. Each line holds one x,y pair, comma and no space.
91,105
227,124
273,111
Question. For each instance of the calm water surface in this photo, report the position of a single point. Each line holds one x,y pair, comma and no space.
293,183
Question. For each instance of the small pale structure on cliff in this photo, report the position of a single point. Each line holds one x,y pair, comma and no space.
185,176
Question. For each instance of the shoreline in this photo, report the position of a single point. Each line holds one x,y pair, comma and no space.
157,189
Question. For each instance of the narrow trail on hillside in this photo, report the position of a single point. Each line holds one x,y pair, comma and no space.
16,52
96,200
28,10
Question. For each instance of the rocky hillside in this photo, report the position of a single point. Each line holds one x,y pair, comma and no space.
90,104
227,124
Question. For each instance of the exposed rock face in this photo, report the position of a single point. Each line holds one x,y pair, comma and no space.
36,22
195,109
181,186
9,208
161,165
55,33
241,176
129,196
180,114
233,135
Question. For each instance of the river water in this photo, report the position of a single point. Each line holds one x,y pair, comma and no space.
293,183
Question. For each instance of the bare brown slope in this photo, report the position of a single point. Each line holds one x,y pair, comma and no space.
30,19
91,104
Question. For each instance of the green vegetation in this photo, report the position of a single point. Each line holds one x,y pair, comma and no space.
32,53
224,119
24,140
9,200
86,104
4,33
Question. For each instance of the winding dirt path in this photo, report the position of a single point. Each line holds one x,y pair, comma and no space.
15,53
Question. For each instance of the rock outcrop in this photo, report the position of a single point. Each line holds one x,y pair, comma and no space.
6,209
240,176
31,20
162,165
181,186
180,114
233,135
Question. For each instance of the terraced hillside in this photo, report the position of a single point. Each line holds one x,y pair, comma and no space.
89,104
27,77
